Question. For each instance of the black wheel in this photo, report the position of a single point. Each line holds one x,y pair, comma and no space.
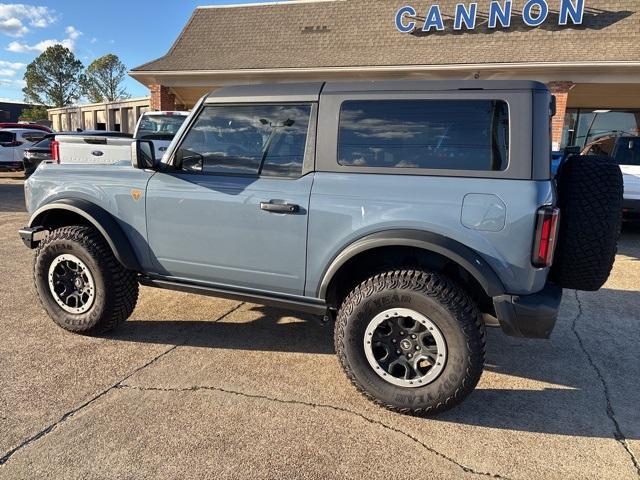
411,341
81,285
590,191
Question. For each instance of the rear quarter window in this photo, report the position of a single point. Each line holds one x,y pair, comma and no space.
425,134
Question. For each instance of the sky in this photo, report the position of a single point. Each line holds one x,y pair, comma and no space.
137,31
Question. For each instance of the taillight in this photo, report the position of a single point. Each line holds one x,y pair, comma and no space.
544,244
55,151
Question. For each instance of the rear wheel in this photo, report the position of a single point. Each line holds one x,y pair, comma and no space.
81,285
411,341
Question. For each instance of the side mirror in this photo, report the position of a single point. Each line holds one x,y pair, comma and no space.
143,154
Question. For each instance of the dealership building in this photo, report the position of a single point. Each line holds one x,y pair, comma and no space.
586,51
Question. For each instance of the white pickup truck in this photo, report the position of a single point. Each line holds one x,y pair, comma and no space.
625,151
159,127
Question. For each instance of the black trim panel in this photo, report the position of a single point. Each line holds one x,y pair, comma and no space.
289,302
529,316
447,247
631,205
102,220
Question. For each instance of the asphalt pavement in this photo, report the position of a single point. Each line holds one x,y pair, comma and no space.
194,387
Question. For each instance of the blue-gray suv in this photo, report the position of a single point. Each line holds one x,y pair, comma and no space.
411,214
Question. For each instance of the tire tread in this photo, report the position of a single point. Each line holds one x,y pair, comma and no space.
453,298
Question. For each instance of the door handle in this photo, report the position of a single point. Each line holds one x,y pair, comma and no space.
279,207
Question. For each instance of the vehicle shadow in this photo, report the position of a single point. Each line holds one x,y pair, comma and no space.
12,198
537,386
629,244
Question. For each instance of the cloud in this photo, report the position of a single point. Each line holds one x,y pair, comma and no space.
13,17
12,83
72,33
13,27
9,69
12,65
70,42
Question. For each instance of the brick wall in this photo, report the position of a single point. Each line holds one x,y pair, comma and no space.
162,98
561,91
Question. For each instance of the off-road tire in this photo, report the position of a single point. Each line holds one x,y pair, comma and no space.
116,288
590,190
445,304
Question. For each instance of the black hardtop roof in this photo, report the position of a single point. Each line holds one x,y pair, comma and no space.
274,92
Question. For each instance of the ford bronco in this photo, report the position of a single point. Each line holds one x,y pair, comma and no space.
411,214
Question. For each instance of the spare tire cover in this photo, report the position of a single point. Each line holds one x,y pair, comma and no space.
590,191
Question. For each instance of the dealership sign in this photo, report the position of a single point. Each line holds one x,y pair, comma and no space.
534,13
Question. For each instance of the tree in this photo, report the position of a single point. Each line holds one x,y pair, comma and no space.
53,78
103,79
34,114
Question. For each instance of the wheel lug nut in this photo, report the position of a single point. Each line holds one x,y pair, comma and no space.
417,347
413,336
410,356
401,333
394,340
398,352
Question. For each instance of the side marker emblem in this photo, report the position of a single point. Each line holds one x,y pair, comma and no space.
136,194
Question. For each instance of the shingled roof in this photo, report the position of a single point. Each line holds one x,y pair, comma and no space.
351,33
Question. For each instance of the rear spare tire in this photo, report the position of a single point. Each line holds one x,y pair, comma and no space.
590,190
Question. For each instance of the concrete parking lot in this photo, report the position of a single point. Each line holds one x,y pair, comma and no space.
195,387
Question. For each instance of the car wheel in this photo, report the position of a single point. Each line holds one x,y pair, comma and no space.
411,341
81,285
590,190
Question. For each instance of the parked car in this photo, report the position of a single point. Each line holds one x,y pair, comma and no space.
625,151
411,214
36,154
31,126
160,127
13,143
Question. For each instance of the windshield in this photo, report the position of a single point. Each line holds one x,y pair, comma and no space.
159,127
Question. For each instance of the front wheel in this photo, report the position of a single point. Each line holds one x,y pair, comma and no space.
411,341
81,285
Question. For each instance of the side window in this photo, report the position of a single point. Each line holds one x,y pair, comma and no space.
7,137
432,134
33,137
264,140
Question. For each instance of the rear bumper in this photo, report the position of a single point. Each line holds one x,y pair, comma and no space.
529,316
631,206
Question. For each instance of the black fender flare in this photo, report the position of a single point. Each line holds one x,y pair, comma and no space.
101,219
429,241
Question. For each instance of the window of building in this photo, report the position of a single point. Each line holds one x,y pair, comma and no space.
588,127
431,134
265,140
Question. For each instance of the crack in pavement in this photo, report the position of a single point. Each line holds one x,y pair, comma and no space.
370,420
617,434
45,431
